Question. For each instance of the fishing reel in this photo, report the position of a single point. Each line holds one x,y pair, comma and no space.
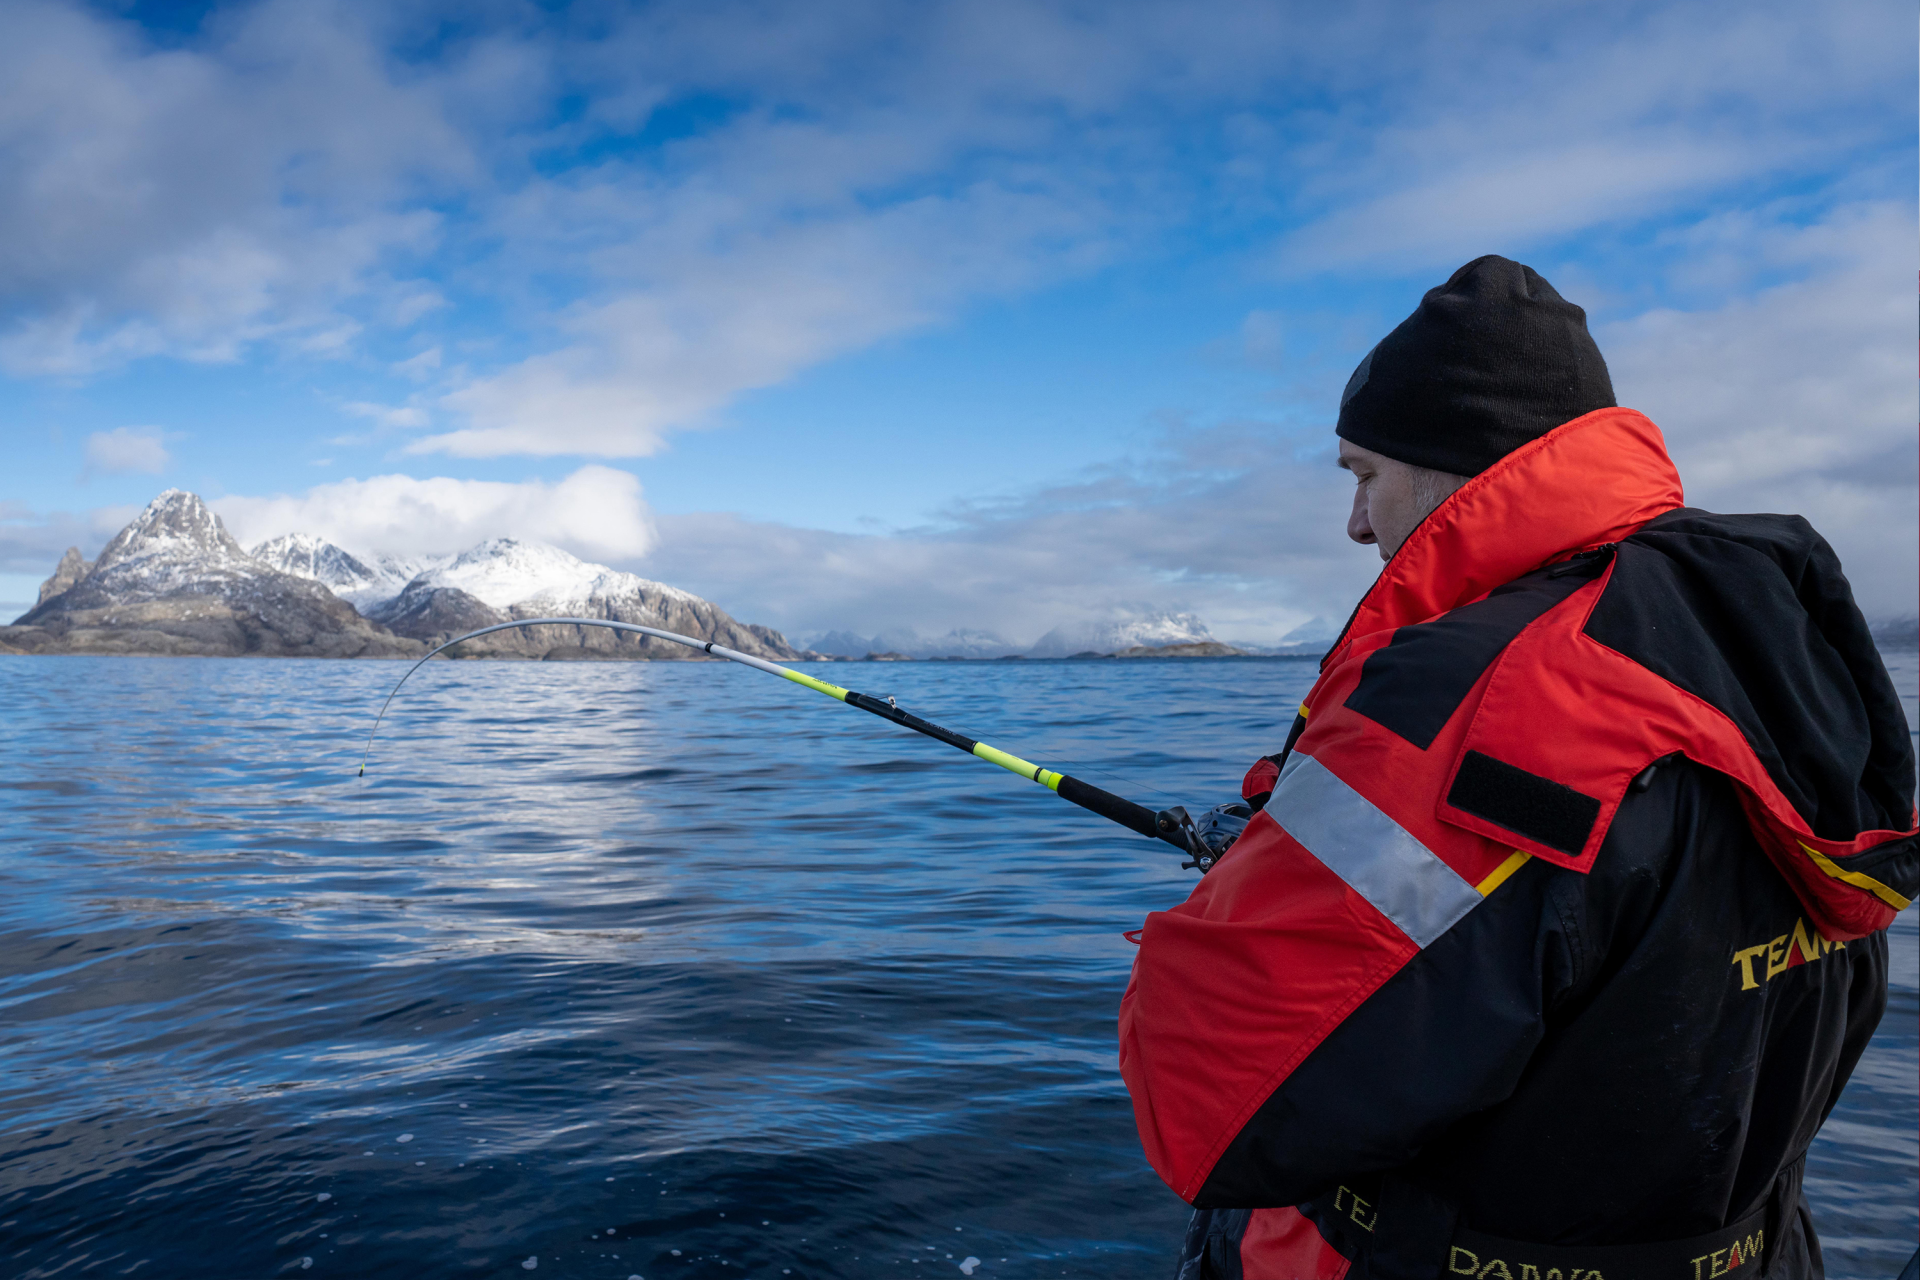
1207,837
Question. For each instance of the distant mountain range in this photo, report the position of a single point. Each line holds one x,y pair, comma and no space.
174,581
1163,634
1093,639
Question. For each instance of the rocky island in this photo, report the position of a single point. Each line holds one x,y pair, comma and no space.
176,582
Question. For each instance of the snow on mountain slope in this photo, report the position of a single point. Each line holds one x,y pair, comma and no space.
175,581
1316,631
844,644
506,578
504,572
360,582
501,573
963,642
175,543
1150,630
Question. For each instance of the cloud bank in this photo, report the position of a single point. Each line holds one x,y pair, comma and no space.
1799,397
1240,524
596,512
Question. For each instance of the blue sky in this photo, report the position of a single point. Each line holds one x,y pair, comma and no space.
933,315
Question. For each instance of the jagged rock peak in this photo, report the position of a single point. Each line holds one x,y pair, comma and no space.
174,581
72,567
360,582
177,525
308,555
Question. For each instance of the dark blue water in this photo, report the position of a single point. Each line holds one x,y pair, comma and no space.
660,970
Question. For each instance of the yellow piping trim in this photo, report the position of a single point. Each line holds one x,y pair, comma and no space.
818,686
1516,860
1857,879
1303,711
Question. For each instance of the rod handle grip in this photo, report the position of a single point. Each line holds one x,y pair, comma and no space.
1109,806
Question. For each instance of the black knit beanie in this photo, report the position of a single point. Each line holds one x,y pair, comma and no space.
1491,359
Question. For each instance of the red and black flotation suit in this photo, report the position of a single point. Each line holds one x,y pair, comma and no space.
1463,972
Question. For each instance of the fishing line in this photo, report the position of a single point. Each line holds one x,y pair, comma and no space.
1171,825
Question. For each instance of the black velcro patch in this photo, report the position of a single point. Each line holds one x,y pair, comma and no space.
1525,803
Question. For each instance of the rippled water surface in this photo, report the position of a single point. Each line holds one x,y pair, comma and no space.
656,970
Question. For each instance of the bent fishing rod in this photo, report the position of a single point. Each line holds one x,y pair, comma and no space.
1174,825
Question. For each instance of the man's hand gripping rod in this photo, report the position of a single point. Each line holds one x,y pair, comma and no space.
1173,826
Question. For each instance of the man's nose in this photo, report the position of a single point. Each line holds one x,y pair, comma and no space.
1358,526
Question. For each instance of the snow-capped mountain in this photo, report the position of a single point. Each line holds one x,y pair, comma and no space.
843,644
961,642
1308,640
1113,636
175,581
1152,630
504,572
1316,631
174,543
362,583
507,578
958,643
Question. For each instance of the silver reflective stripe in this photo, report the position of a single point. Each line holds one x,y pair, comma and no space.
1369,850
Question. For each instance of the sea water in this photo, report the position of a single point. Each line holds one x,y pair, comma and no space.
649,969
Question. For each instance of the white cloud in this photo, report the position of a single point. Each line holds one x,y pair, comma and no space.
1506,137
670,350
1496,201
1799,396
419,367
191,200
596,512
283,177
31,542
123,450
1244,525
1792,390
387,415
1032,142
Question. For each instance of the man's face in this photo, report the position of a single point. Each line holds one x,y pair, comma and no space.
1389,498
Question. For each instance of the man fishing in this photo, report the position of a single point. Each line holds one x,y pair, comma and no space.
1562,924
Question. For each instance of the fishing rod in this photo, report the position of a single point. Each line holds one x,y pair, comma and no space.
1174,825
